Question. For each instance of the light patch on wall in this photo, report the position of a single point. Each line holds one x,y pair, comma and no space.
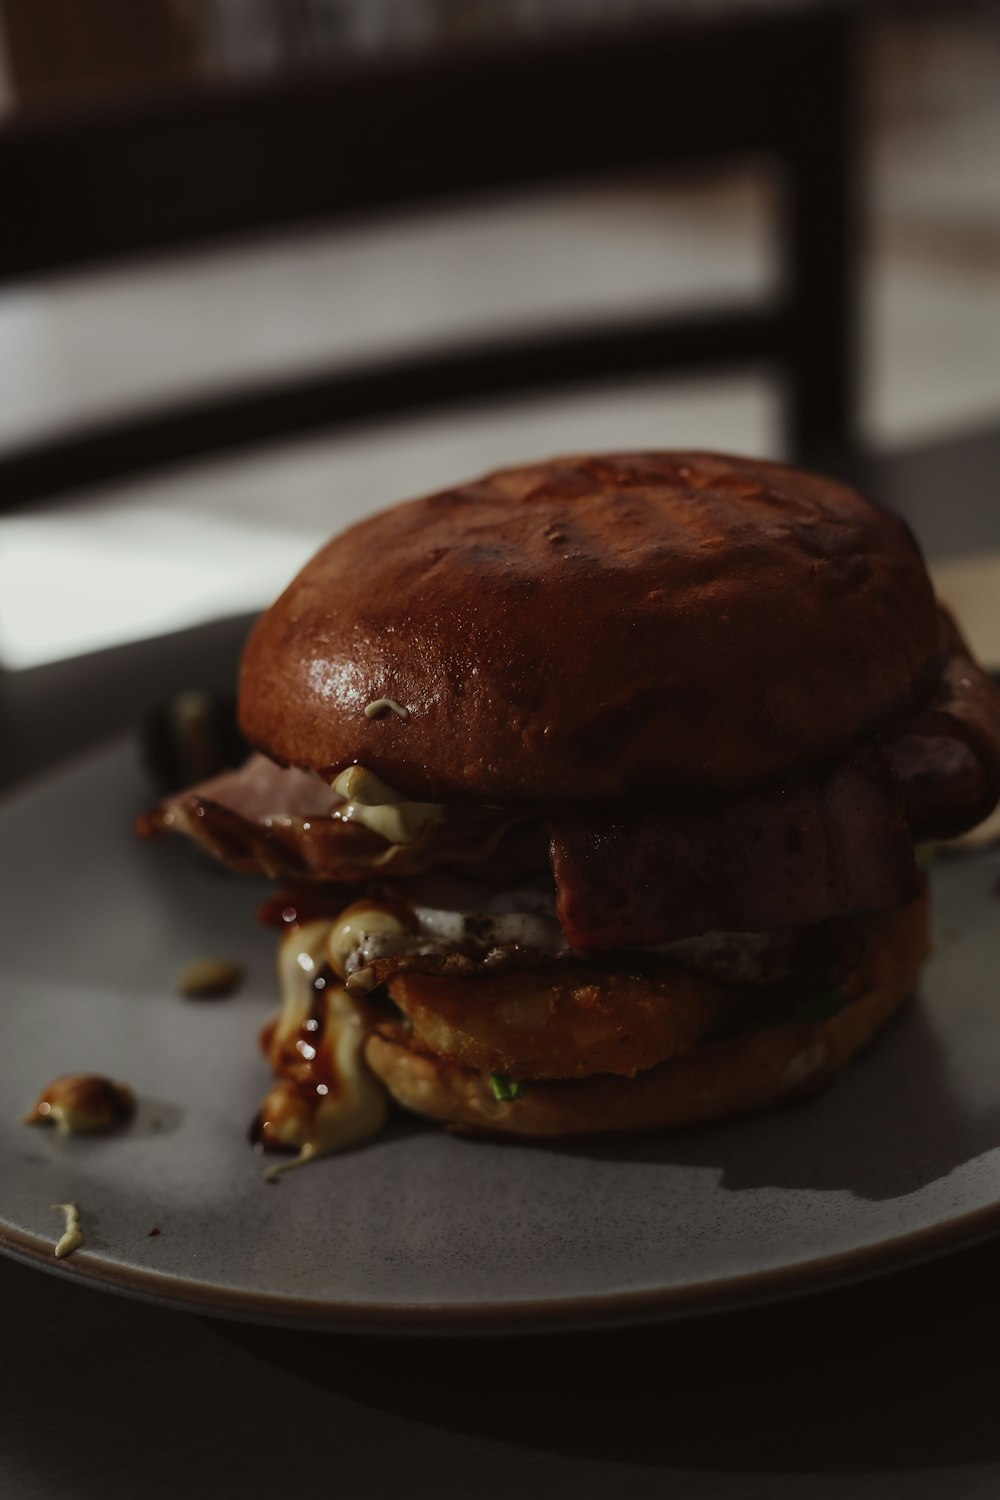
73,583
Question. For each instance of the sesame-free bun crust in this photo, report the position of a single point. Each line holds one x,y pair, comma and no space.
596,627
715,1079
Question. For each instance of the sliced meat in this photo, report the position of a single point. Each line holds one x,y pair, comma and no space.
946,752
485,929
450,960
266,819
731,958
766,859
381,936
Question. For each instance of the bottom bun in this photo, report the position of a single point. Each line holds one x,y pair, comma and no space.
729,1076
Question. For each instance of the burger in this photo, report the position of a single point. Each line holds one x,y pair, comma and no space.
595,792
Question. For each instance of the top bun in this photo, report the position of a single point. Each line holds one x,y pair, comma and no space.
617,626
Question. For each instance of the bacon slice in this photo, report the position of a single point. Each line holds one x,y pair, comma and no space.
792,855
769,858
266,819
946,752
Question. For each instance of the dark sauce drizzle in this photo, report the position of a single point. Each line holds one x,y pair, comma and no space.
304,1066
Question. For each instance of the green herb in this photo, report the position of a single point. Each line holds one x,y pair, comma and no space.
505,1088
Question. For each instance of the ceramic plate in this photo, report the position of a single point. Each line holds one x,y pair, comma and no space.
901,1158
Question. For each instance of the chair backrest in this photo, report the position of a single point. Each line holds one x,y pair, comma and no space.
225,161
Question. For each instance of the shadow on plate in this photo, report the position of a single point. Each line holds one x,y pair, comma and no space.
888,1125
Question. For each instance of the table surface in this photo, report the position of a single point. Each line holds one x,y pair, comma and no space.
887,1388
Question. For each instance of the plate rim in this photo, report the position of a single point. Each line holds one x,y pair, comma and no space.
607,1310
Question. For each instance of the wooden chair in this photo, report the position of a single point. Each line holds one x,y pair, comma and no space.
221,161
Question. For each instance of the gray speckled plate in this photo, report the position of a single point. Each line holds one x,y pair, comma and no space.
899,1159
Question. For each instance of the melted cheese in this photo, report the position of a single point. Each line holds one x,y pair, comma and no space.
300,957
355,1106
354,929
374,804
349,1105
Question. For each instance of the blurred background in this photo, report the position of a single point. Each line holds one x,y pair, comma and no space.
266,265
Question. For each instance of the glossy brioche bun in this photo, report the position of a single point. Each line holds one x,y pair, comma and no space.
726,1077
596,627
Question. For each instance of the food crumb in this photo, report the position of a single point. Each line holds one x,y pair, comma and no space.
72,1236
153,1232
79,1102
379,706
210,978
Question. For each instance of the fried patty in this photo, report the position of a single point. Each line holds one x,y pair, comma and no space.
565,1020
725,1076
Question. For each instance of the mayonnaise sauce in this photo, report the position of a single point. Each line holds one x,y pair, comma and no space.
354,1106
374,804
324,1098
355,928
72,1236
